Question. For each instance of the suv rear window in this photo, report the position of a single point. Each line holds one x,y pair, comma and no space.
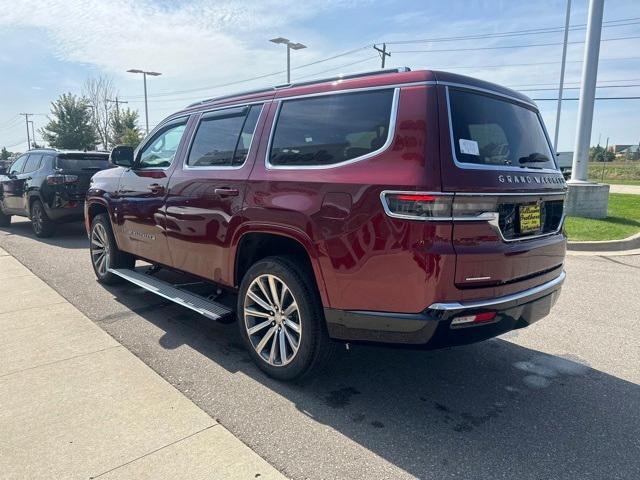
492,131
331,129
83,162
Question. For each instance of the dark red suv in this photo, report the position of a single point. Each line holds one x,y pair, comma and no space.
408,207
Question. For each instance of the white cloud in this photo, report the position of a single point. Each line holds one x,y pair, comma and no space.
201,38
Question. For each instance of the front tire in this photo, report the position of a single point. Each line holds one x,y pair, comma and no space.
104,251
281,319
42,225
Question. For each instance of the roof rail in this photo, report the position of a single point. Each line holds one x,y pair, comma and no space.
308,82
247,92
350,76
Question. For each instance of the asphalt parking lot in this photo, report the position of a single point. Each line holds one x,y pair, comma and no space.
559,400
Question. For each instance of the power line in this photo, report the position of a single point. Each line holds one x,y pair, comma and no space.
513,33
550,44
577,81
245,80
597,98
576,88
531,64
267,75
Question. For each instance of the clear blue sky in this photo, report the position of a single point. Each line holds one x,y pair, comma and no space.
49,47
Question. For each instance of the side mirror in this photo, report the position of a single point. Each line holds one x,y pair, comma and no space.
122,155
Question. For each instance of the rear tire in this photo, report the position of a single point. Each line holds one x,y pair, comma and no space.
42,225
5,220
104,251
281,319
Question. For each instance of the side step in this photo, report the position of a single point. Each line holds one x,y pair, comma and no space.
208,308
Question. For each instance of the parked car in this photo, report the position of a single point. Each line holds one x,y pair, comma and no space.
48,186
404,207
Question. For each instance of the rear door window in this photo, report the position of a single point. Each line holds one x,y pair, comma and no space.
496,132
331,129
223,137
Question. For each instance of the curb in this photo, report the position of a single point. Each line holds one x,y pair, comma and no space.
629,243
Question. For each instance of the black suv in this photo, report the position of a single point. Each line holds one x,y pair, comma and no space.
48,186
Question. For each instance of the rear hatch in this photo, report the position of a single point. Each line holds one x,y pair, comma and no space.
508,193
77,169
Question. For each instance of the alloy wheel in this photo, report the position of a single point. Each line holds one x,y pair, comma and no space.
272,320
36,218
100,253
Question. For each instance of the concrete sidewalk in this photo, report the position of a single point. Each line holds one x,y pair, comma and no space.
630,189
75,404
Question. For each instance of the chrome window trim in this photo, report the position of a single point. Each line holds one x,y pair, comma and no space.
393,115
473,166
489,91
492,218
342,91
187,167
517,298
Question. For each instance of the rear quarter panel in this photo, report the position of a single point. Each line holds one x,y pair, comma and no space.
365,259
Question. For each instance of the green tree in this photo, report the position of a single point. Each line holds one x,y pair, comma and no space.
71,125
5,154
599,154
124,128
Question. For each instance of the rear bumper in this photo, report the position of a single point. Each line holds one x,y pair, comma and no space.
432,327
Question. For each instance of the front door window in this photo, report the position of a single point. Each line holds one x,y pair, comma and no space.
161,150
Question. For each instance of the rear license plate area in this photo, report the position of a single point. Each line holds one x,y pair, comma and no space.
529,218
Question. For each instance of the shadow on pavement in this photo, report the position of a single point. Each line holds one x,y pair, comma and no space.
67,235
490,410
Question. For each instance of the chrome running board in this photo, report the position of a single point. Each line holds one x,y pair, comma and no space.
202,305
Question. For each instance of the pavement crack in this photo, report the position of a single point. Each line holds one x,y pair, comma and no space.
619,262
153,451
60,361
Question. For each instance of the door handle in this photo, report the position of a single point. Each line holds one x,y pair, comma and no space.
226,192
156,188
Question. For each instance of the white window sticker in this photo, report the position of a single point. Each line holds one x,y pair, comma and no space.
470,147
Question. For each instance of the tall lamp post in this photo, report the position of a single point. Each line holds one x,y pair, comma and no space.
144,76
290,46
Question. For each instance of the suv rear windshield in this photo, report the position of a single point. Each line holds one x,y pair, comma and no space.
492,131
83,162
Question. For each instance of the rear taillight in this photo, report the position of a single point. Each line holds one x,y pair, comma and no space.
438,206
62,179
465,320
417,206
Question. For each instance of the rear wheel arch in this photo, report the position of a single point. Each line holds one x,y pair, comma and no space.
254,246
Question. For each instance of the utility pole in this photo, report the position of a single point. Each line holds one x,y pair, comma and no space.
604,159
33,133
117,102
587,92
383,53
562,65
26,122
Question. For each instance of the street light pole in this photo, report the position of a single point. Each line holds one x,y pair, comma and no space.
288,63
579,169
290,46
144,77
